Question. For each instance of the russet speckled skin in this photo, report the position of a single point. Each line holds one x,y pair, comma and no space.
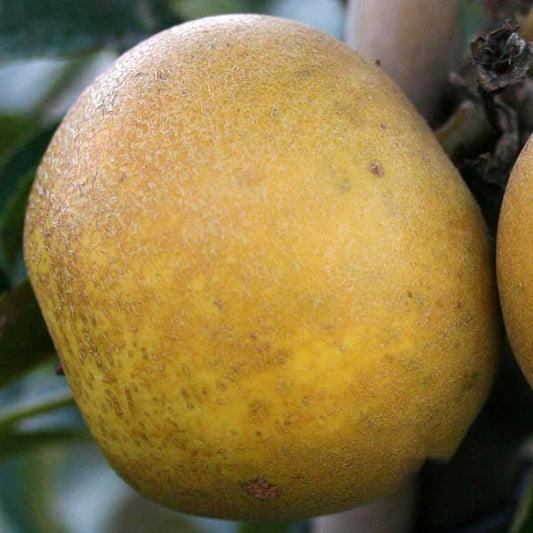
272,294
515,259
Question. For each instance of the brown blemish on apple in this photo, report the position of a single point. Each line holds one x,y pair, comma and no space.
376,168
187,397
258,411
129,399
345,185
262,489
470,380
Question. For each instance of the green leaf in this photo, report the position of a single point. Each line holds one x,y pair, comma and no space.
28,496
12,415
13,127
523,520
20,442
472,20
15,439
17,170
24,338
21,160
191,9
12,229
266,527
4,282
27,491
34,28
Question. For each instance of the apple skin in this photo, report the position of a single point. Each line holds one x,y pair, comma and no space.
271,292
515,260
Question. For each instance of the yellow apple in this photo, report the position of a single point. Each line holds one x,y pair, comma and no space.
271,292
515,260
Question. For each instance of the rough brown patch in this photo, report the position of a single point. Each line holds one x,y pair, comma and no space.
383,126
345,185
470,381
129,399
262,347
262,489
114,402
282,356
376,168
187,397
258,410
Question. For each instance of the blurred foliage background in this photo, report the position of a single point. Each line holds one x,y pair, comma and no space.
52,478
